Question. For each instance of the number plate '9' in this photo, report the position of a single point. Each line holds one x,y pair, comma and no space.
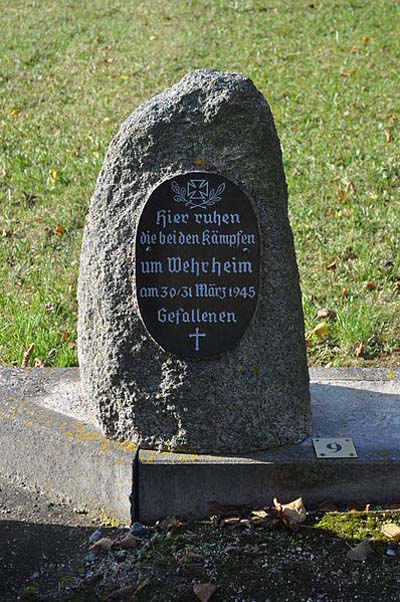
334,447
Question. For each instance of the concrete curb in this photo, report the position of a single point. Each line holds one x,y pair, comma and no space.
46,442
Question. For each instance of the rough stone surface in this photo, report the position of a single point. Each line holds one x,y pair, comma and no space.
254,397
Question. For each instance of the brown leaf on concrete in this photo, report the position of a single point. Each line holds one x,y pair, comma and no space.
204,591
103,545
27,355
361,551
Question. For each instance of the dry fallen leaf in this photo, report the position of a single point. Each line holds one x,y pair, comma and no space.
103,545
332,266
321,330
392,531
396,286
129,542
291,514
232,520
350,187
388,135
53,174
324,312
39,363
262,518
370,285
361,551
345,292
204,591
171,522
214,520
59,230
360,350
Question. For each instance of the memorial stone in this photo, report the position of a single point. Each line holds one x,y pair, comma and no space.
190,331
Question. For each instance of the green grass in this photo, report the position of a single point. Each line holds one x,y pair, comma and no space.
72,71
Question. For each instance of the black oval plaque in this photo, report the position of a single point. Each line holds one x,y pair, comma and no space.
197,264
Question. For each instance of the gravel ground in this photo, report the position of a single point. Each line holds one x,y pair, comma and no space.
45,556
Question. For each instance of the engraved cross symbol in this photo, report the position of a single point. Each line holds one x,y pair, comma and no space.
197,334
197,190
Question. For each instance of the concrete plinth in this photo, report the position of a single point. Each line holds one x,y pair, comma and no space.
66,457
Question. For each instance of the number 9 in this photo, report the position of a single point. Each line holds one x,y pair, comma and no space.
335,447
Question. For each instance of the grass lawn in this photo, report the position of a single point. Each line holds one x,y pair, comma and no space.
72,71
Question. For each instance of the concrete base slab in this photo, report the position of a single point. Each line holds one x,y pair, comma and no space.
49,445
46,442
363,404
